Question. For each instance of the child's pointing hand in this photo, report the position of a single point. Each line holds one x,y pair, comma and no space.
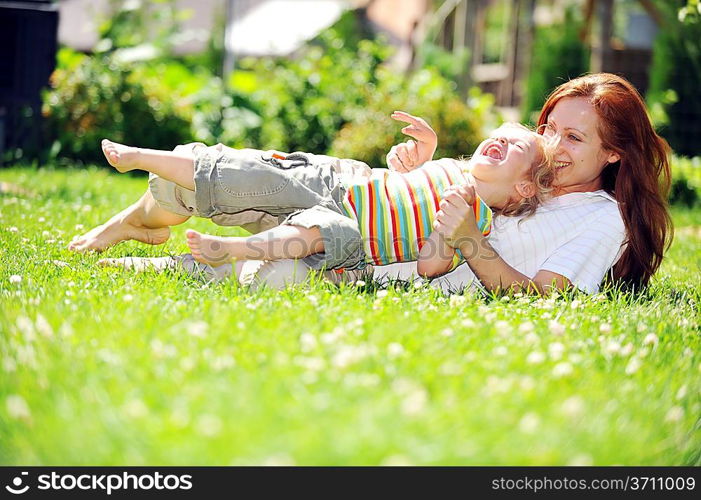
408,155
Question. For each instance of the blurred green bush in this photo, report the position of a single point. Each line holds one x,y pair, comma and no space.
335,96
686,181
558,56
97,97
460,126
675,76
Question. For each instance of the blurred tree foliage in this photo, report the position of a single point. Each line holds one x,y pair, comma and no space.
675,76
558,56
133,90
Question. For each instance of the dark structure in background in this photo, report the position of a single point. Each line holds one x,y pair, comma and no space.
27,57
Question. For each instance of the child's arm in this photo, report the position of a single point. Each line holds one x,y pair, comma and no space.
436,257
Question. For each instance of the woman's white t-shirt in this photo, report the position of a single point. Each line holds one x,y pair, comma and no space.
578,235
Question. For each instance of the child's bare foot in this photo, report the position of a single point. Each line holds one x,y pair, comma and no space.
122,158
208,249
114,231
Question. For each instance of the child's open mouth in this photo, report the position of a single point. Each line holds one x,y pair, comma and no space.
493,151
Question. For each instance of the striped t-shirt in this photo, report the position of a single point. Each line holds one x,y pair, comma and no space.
395,211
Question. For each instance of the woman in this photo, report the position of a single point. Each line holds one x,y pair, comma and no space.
608,147
608,211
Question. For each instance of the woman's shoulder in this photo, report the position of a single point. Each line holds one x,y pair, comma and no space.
569,214
592,204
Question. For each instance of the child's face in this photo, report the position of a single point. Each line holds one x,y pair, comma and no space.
504,160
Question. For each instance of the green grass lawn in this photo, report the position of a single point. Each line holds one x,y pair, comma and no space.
102,366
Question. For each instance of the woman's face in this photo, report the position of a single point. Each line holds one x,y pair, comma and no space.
580,157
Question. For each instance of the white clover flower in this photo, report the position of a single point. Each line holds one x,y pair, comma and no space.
221,363
681,393
556,328
66,330
26,328
633,366
308,342
576,304
197,329
627,350
605,328
395,349
497,385
9,364
535,358
79,227
468,323
450,368
43,326
127,298
651,339
531,338
187,364
572,406
505,298
414,402
675,414
41,219
580,460
360,283
45,234
17,407
397,461
15,279
562,369
135,408
613,347
526,327
347,355
13,229
576,358
208,425
457,300
501,351
332,337
641,327
555,350
529,423
502,326
527,383
312,364
382,293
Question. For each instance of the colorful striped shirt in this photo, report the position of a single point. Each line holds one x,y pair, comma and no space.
395,212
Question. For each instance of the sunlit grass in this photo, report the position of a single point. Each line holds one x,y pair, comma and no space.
100,366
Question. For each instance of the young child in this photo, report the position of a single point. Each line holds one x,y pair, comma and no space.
340,214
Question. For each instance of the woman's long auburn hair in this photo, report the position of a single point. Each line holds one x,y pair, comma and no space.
640,181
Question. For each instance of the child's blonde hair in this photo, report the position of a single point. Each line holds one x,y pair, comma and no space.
541,173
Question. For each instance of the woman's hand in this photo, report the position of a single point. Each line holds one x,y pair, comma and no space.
406,156
455,221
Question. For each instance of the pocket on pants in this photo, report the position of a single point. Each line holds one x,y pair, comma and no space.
248,177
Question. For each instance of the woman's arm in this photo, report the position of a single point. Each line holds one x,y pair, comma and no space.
435,256
454,221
